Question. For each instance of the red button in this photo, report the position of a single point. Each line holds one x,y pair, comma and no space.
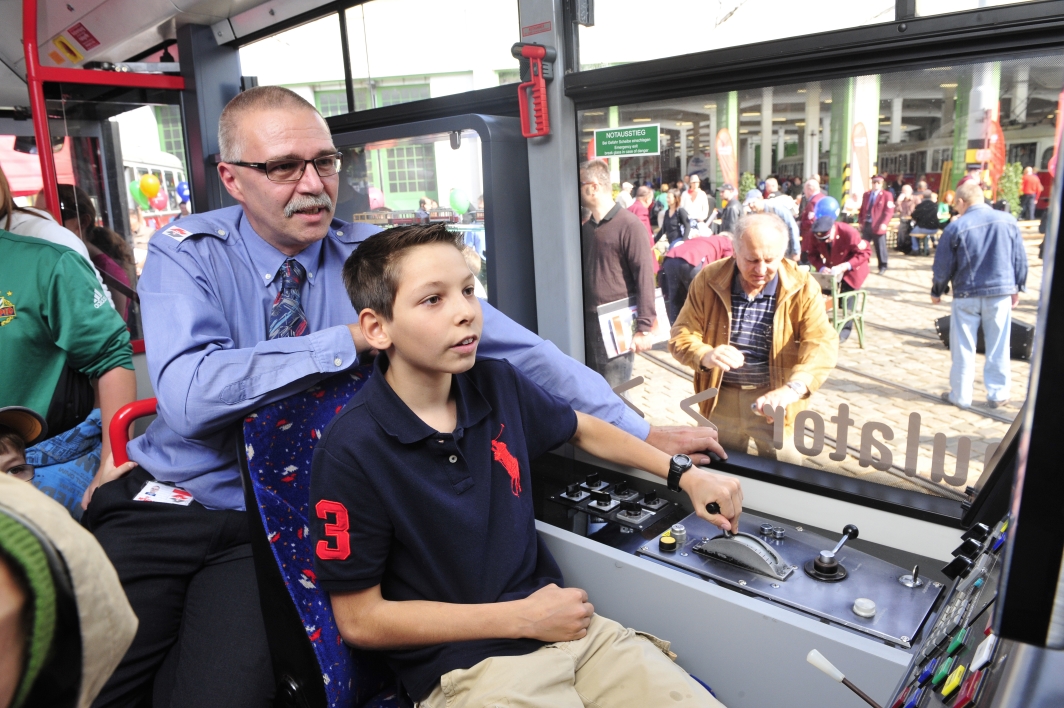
989,625
901,697
966,695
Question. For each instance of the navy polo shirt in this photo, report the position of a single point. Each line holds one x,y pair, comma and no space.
445,517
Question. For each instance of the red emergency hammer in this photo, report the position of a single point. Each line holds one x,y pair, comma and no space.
538,60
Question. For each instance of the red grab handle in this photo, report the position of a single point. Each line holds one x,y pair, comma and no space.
537,86
119,429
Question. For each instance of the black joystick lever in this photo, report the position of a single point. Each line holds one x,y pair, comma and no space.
826,566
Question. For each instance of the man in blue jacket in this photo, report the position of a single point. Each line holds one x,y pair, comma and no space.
982,254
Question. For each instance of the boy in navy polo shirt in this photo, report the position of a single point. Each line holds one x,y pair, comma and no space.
425,536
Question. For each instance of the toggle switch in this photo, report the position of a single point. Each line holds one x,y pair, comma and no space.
928,672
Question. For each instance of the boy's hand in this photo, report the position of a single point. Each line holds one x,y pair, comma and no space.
554,614
704,487
687,440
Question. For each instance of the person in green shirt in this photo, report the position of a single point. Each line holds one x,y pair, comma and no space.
54,321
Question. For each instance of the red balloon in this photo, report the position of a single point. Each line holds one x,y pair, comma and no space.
159,202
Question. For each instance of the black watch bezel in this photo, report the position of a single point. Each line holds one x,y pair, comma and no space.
677,466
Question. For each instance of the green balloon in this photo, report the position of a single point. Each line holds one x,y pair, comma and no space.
138,196
459,200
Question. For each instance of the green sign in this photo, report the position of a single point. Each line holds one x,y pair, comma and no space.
627,142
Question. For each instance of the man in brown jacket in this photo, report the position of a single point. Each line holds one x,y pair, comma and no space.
754,327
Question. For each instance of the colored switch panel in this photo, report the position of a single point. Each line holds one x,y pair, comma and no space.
958,641
998,543
928,672
915,700
953,682
966,696
942,672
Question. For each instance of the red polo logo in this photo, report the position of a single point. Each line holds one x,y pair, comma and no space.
502,455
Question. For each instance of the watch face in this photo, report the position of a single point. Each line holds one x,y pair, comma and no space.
681,461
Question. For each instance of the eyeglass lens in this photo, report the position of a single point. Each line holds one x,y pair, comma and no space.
286,170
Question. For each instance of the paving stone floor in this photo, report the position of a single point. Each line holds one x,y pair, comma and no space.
902,349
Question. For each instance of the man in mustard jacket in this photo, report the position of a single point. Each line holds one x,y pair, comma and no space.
755,327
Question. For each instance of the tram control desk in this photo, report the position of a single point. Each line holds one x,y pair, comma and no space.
744,609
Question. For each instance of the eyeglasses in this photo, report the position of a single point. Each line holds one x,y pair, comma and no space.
287,169
24,472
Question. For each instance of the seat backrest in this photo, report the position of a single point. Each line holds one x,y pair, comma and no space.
308,651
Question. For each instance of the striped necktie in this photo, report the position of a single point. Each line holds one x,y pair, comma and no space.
287,318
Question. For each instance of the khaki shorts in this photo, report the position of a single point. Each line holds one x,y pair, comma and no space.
611,667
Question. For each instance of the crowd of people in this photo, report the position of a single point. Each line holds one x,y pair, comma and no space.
720,272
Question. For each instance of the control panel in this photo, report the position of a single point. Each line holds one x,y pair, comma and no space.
619,502
805,571
959,663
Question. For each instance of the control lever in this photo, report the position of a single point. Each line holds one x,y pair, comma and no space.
826,566
713,508
818,660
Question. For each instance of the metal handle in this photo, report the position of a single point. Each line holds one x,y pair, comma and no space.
850,531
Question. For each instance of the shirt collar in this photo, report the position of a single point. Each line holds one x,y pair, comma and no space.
267,260
396,418
769,289
609,215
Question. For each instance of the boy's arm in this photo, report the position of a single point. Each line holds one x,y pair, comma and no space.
613,444
551,614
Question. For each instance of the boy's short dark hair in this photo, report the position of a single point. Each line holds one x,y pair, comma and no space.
371,273
11,441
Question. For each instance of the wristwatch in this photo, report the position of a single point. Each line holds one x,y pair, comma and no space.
677,466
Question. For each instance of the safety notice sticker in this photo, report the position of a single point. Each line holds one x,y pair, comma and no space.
627,142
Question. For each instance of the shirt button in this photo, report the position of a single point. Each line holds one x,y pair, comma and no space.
310,275
338,361
221,232
339,233
265,276
452,459
440,442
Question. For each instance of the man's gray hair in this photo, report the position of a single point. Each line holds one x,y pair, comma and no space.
813,184
765,220
970,193
260,98
642,191
596,171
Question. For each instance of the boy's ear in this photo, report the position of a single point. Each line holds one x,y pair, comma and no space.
374,329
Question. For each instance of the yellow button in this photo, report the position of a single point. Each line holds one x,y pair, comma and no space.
953,681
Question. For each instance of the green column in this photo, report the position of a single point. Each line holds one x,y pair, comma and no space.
960,130
728,117
841,129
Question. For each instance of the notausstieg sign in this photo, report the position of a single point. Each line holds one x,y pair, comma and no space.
627,142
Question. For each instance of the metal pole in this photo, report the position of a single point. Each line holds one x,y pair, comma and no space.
349,82
39,109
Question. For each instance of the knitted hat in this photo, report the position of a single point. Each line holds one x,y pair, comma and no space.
23,551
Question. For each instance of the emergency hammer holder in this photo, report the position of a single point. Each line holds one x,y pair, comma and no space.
537,68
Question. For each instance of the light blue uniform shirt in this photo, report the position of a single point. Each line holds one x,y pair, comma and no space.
208,285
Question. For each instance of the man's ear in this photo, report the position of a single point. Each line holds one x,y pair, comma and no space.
228,177
374,329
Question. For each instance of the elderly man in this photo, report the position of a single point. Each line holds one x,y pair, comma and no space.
838,249
242,307
624,197
877,208
982,254
754,327
617,265
759,205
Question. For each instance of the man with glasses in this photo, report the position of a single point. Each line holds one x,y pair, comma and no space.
244,306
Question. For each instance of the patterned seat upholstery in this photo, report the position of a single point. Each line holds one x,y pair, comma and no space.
312,664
